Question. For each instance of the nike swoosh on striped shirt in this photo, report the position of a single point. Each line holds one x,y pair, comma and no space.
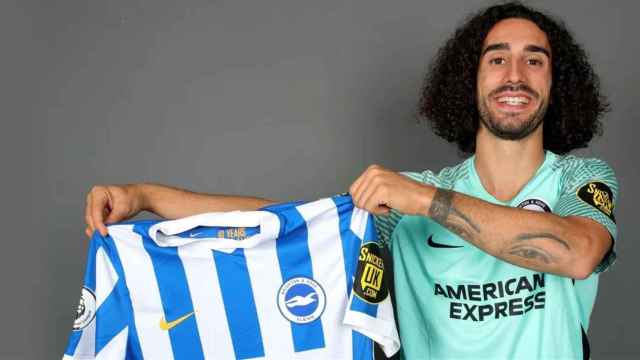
164,325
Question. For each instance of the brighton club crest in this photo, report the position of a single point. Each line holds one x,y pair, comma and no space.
535,205
301,300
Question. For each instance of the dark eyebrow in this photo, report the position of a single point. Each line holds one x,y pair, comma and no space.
498,46
536,48
505,46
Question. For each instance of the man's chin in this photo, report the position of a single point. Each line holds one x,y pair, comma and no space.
511,128
510,134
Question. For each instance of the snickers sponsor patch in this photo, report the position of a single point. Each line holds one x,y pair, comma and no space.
369,284
598,195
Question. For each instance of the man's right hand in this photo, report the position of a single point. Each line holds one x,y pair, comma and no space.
108,204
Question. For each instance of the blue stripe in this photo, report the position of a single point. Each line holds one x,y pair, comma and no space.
74,338
111,317
350,242
90,275
362,306
176,300
362,347
133,343
239,304
295,260
281,207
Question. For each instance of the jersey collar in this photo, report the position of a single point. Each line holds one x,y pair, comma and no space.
549,157
164,233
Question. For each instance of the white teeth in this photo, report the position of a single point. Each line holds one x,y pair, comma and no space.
513,100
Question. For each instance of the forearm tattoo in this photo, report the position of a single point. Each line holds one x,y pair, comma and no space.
445,214
521,247
531,253
531,236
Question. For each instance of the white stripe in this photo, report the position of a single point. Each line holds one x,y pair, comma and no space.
266,279
391,343
382,328
86,347
204,288
359,219
106,277
116,348
144,291
325,248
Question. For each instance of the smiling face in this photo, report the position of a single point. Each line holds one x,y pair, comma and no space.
514,79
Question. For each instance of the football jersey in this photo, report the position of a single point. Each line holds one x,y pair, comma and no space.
291,281
455,301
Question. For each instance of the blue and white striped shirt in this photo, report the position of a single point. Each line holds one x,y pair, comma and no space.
275,283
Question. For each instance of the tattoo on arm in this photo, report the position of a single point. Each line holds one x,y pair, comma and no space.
522,248
531,253
441,205
531,236
445,214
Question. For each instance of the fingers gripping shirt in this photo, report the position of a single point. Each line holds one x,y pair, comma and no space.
456,301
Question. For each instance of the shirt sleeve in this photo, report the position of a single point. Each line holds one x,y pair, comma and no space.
370,310
590,189
92,318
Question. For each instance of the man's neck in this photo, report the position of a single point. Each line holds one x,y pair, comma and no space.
505,166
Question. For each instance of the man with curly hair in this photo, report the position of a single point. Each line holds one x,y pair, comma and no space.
497,257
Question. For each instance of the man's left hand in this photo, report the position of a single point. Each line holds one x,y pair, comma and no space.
378,190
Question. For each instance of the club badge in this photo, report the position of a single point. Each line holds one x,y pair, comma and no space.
535,205
301,300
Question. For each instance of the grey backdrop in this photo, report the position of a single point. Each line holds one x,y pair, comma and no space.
282,99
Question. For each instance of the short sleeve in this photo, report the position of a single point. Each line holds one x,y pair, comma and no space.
99,331
590,189
370,309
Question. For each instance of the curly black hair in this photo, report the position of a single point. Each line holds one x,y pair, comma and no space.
449,95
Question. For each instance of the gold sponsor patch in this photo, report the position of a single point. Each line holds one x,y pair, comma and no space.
598,195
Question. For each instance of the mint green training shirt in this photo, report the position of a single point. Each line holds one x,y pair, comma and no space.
455,301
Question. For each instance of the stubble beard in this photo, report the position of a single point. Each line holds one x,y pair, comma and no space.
504,130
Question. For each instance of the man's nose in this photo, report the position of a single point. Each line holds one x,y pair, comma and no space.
516,72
